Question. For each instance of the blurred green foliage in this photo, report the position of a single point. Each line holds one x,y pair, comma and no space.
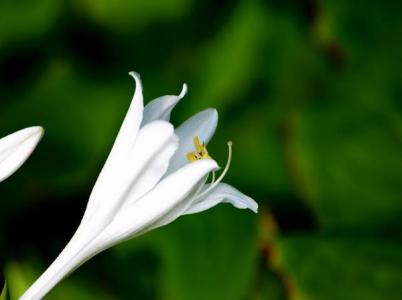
309,91
3,294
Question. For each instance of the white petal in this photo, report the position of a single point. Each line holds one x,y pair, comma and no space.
223,193
203,125
168,199
153,172
160,108
181,209
136,175
16,148
129,129
109,184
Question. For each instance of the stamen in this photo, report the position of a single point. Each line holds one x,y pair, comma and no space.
201,186
200,152
213,177
214,183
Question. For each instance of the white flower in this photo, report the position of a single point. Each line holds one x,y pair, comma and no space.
146,182
16,148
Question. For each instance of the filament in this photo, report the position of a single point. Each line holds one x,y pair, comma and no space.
214,182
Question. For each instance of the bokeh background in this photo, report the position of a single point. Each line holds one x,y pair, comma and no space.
310,93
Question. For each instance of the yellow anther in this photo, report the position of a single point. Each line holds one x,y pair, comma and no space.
200,151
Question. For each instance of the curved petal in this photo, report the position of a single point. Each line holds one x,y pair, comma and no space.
129,129
16,148
160,108
203,125
185,204
222,193
135,175
106,196
153,172
169,199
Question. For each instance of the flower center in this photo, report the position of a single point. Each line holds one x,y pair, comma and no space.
200,152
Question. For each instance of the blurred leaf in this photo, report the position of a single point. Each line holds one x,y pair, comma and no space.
29,20
201,256
258,149
206,261
365,48
351,167
345,142
227,61
331,268
3,295
19,276
130,16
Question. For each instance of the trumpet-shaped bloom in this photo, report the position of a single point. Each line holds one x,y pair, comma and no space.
153,175
16,148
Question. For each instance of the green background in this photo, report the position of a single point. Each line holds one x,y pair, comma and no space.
310,94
